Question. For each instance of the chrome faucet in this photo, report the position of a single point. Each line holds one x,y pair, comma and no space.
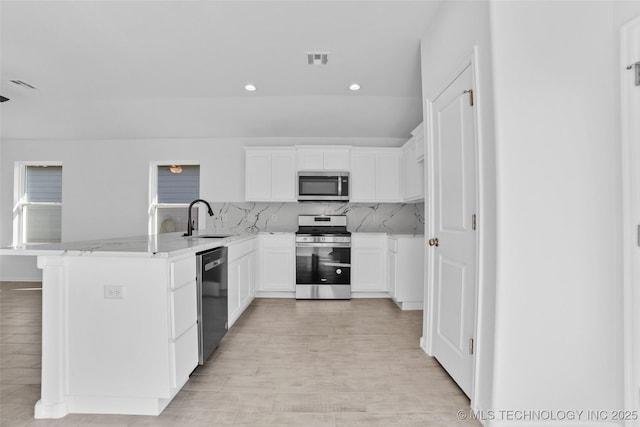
189,224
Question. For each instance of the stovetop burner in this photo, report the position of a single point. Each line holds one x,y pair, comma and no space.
322,228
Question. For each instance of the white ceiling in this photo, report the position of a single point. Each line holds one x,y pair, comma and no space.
167,69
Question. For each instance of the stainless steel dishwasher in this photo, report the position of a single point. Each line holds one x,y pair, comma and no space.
212,300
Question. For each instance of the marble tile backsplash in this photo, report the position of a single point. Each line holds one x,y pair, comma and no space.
400,218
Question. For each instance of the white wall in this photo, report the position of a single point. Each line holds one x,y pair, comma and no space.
559,302
550,324
448,43
106,182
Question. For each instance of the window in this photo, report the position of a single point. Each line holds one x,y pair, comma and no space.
173,187
38,207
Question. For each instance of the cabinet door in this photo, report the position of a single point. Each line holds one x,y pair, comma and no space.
387,176
405,162
368,270
392,265
283,176
277,256
336,160
418,136
233,290
254,273
410,269
244,273
363,176
310,159
369,263
258,175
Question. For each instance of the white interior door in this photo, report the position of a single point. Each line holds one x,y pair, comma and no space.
453,261
630,97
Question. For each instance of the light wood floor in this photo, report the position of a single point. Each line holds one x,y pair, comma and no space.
285,362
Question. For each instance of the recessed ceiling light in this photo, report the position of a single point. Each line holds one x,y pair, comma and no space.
250,87
354,86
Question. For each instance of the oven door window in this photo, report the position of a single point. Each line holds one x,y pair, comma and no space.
319,186
323,266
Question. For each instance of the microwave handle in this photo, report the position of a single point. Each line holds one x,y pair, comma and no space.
339,186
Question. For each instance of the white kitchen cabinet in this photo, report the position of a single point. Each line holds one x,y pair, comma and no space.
375,175
323,158
392,265
242,277
363,176
277,263
368,262
388,175
411,173
418,137
130,332
270,174
407,262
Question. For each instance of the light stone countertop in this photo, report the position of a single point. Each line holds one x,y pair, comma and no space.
154,245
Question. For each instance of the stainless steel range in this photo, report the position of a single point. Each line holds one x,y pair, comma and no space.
323,257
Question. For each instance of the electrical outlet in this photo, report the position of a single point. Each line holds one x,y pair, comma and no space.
113,292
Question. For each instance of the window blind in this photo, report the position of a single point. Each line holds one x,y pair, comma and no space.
42,222
43,184
183,187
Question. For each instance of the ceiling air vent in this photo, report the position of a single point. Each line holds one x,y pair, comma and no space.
317,58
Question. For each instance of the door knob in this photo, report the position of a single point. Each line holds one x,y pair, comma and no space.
433,242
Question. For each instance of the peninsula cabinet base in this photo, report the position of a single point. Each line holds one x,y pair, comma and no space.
101,405
119,333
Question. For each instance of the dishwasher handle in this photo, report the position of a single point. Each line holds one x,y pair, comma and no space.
213,264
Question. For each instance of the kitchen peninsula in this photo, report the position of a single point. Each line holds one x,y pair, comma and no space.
119,316
119,332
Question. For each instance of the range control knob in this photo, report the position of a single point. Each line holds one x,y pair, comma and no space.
339,271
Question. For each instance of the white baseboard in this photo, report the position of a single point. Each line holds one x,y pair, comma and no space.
20,279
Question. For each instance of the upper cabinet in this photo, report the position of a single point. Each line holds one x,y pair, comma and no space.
412,167
412,173
418,137
270,174
323,158
375,175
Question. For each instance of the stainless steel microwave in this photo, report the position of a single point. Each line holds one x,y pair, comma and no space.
323,186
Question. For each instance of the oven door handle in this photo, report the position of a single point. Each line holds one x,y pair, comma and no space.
323,245
337,264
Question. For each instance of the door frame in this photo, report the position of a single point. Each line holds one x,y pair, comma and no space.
426,342
631,218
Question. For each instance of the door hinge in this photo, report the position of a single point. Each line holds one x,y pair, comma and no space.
473,221
636,71
470,92
638,236
471,349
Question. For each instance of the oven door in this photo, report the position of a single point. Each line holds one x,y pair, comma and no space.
323,264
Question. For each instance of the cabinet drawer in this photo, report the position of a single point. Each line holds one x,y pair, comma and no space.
283,241
239,250
184,309
183,272
184,356
372,241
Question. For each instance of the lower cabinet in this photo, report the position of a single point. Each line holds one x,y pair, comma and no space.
242,277
368,262
277,263
406,271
